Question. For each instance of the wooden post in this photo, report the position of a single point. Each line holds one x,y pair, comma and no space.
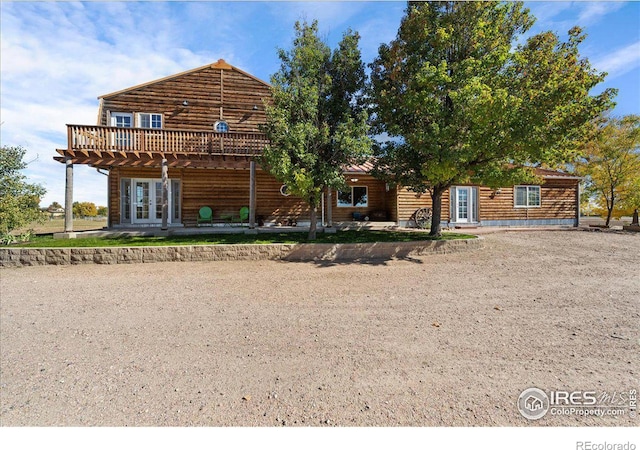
68,197
578,193
165,194
329,209
252,194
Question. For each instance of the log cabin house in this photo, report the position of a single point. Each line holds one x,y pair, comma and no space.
189,140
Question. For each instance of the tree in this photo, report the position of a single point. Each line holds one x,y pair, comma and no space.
19,200
611,167
54,206
102,211
316,123
84,209
461,105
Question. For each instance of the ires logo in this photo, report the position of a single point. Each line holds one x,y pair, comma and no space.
534,403
575,398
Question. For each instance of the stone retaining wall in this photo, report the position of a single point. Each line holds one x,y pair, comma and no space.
18,257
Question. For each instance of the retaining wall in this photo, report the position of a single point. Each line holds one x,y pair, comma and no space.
18,257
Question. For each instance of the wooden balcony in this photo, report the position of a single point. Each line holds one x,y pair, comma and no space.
145,140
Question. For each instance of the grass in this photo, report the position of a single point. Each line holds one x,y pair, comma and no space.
341,237
57,225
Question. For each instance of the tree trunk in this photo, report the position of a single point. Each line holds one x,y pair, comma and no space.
436,201
312,226
610,207
609,213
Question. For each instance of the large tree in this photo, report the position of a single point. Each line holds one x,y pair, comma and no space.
84,209
315,122
611,166
461,104
19,200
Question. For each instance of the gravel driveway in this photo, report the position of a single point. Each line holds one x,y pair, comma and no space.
442,340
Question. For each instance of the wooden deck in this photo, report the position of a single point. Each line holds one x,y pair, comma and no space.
136,140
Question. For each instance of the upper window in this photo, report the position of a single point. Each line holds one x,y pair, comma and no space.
526,196
355,197
122,120
150,120
221,126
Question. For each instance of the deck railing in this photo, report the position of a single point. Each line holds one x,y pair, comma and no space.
88,137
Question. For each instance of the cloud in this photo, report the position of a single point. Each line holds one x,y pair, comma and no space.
593,12
58,57
620,61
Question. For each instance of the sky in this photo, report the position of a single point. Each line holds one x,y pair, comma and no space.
58,57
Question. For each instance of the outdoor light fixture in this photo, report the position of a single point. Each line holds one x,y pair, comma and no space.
354,180
255,107
185,103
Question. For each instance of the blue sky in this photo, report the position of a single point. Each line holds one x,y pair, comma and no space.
58,57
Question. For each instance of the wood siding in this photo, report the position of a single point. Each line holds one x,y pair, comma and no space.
376,199
409,202
213,93
225,191
558,201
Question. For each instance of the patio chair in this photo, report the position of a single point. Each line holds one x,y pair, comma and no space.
205,215
241,218
244,215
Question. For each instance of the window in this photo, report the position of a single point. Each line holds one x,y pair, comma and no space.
125,201
146,120
356,197
175,197
526,196
121,138
221,126
122,120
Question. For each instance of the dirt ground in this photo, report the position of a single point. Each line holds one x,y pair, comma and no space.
444,340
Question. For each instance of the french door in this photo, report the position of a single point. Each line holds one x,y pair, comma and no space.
464,207
147,201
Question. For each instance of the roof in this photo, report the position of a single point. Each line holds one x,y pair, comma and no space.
220,64
365,167
548,173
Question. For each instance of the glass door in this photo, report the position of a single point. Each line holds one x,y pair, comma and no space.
464,201
158,201
143,202
146,201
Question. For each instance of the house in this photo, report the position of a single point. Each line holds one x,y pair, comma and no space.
174,145
533,403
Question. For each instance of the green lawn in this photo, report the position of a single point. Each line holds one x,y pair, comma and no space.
341,237
57,225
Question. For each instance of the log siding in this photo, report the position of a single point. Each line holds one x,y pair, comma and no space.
557,196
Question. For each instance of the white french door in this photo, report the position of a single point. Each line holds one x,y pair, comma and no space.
464,207
147,201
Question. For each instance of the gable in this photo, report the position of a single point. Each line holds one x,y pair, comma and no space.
195,99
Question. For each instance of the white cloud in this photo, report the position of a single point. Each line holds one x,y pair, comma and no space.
620,61
58,57
593,12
